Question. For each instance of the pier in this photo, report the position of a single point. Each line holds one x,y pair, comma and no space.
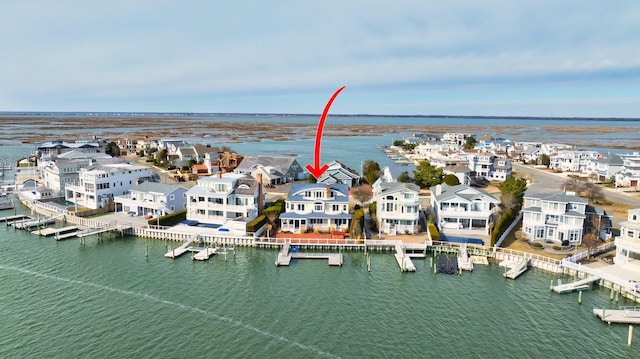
623,315
177,252
577,285
17,217
111,227
31,223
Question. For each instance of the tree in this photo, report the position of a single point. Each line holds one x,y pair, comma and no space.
161,157
545,160
593,192
426,175
404,177
362,193
470,143
512,193
113,149
451,179
574,185
370,171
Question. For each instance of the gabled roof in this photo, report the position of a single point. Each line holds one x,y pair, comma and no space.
457,168
561,197
246,187
392,187
461,191
281,164
155,187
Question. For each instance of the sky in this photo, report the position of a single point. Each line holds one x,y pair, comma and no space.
493,58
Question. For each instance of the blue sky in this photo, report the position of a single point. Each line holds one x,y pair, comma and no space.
524,58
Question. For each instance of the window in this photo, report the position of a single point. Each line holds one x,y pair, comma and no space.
318,207
630,233
335,207
172,197
300,207
540,232
408,196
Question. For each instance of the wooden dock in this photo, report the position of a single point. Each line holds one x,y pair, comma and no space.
623,315
110,227
31,223
577,285
516,267
285,256
17,217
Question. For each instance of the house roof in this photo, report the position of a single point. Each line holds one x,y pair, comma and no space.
557,197
296,192
457,168
461,191
281,164
155,187
246,187
391,187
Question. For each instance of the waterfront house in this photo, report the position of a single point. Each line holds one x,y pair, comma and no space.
316,207
50,150
629,175
227,200
628,242
554,217
274,170
339,173
398,207
151,199
500,169
56,174
458,139
98,184
461,171
463,208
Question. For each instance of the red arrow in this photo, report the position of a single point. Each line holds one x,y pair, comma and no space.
317,171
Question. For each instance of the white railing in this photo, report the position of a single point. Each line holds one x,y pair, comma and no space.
585,254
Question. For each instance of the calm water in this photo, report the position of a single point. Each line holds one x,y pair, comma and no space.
107,299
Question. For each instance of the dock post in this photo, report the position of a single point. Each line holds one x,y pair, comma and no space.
551,285
611,294
430,262
617,295
580,297
368,263
630,336
146,252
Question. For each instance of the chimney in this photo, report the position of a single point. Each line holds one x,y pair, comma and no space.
328,193
219,174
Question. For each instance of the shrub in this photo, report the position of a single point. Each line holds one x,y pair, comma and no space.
357,223
556,248
433,231
537,245
501,226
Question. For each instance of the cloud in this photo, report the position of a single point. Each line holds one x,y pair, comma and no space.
99,53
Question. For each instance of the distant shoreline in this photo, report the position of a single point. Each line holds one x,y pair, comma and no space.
13,114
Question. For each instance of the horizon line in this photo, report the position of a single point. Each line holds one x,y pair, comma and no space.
231,114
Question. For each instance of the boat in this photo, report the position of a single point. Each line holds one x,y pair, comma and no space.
6,201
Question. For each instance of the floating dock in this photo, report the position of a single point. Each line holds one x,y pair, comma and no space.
516,267
404,260
204,253
464,261
284,256
31,223
623,315
177,252
577,285
46,232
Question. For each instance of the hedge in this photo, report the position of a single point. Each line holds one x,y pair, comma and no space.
357,222
170,219
256,224
501,226
433,231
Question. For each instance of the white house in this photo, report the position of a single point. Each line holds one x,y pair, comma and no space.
554,217
463,208
230,200
152,199
629,175
98,184
607,168
316,207
628,243
398,207
572,161
500,170
56,174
